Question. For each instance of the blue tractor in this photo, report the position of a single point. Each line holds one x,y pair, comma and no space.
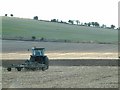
38,61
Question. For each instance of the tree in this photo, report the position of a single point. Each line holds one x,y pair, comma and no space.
89,24
112,26
61,21
103,26
96,24
11,15
82,24
5,14
53,20
118,28
57,20
85,24
78,22
35,17
93,23
71,21
33,37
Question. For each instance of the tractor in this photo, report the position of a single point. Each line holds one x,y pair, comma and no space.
37,61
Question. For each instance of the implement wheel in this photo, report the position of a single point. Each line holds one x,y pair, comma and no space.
19,68
9,69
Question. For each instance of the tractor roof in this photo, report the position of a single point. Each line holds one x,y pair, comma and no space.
39,48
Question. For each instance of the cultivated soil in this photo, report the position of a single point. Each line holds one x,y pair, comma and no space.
61,76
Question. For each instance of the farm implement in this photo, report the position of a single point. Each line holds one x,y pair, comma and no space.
37,61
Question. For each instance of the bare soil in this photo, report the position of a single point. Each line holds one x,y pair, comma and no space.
61,76
75,55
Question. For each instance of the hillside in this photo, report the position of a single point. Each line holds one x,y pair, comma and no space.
19,28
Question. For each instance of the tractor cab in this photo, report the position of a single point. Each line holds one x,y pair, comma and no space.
37,54
38,51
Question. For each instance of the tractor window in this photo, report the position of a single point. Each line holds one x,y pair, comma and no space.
37,53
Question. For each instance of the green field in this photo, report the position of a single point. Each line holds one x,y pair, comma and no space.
19,28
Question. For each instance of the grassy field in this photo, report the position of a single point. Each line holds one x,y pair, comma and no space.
16,28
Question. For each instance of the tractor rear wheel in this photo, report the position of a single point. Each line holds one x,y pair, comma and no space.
43,68
46,62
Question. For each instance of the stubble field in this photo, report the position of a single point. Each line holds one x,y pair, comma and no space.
61,76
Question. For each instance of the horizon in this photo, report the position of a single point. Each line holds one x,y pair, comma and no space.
67,22
101,11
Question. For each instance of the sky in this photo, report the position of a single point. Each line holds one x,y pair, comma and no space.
101,11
